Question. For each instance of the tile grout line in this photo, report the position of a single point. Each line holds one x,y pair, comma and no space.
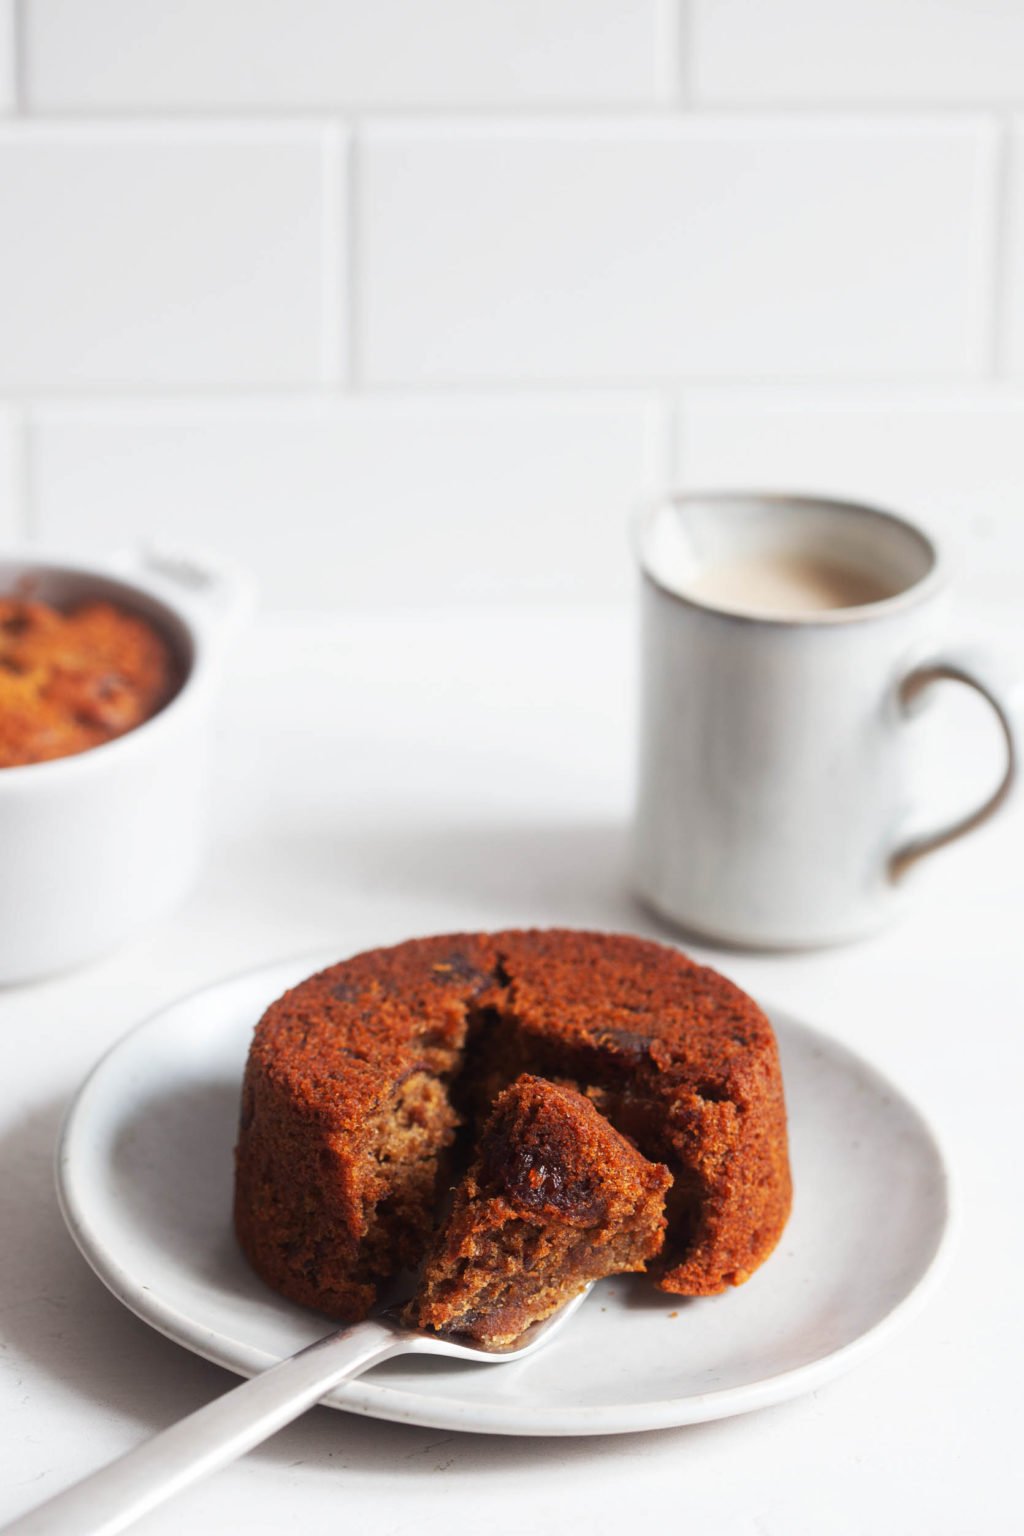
19,53
354,275
997,316
682,31
540,114
677,424
915,390
316,394
23,480
334,277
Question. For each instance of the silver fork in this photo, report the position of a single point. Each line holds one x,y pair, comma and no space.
116,1495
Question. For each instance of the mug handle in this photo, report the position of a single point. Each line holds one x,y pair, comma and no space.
974,672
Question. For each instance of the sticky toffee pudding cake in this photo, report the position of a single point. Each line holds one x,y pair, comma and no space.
370,1084
71,681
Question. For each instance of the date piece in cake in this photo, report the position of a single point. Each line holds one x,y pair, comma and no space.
554,1199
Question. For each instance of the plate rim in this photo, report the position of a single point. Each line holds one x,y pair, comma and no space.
375,1399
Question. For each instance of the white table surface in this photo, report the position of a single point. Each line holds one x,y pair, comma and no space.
378,776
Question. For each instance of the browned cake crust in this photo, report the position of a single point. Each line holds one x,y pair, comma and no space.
70,681
555,1198
357,1080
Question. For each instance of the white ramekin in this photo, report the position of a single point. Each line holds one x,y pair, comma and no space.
96,845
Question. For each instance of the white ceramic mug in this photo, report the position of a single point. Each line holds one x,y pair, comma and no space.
773,779
95,845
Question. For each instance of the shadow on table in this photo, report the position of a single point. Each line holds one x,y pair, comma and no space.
571,873
489,874
67,1323
73,1331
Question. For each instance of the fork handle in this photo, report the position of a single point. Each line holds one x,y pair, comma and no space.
116,1495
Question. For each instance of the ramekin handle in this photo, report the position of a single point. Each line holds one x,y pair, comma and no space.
218,596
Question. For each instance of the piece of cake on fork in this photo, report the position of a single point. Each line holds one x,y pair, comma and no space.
554,1198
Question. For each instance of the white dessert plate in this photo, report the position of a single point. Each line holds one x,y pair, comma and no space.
145,1175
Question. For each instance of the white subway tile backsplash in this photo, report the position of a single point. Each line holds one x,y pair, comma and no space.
861,51
712,247
148,54
177,256
547,253
385,501
8,57
956,462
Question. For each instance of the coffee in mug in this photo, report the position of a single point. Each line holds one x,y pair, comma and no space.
787,584
786,642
